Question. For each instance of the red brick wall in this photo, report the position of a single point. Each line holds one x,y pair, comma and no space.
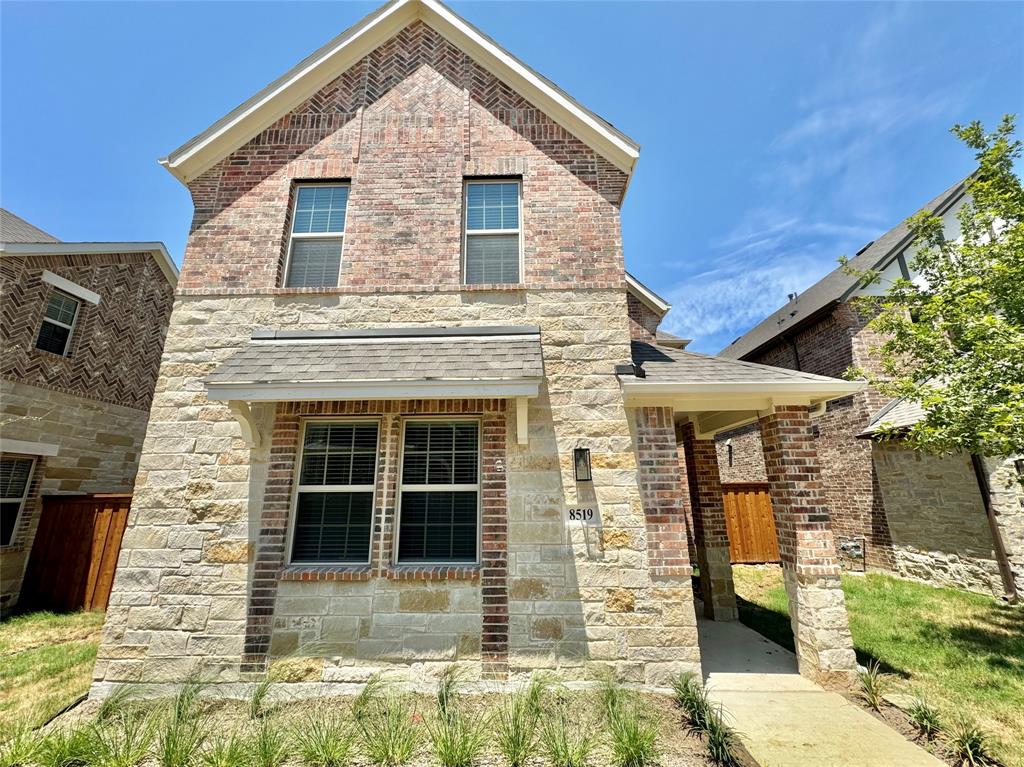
829,347
406,125
643,321
661,492
115,346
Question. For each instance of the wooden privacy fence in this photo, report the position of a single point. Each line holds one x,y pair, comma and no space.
75,552
749,520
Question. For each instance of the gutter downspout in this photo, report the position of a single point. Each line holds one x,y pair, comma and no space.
1009,586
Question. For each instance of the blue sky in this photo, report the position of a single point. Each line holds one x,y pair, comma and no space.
776,136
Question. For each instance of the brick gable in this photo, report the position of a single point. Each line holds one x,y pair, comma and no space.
115,346
406,124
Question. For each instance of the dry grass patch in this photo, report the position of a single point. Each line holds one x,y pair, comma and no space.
46,663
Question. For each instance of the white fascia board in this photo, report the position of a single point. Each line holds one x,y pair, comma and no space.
340,54
735,396
384,389
21,447
155,249
647,296
71,288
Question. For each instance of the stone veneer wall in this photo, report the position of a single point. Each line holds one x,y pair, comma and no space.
577,597
1007,487
99,445
939,529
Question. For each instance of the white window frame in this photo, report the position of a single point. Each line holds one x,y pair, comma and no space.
478,488
299,488
467,233
293,235
24,496
58,323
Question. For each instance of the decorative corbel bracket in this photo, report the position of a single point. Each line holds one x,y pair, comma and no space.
251,432
522,421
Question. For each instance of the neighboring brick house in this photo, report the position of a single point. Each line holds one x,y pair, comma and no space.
412,409
893,509
82,329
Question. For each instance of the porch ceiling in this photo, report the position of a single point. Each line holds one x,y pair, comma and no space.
718,394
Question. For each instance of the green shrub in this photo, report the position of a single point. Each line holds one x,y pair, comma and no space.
565,743
269,748
516,727
324,740
180,740
447,691
968,743
633,736
456,739
925,717
389,734
722,740
123,741
873,685
62,748
369,696
232,752
19,746
258,698
692,698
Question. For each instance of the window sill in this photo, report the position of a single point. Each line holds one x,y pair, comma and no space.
433,573
340,573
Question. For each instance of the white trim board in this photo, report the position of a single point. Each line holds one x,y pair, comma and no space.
155,249
70,287
647,296
377,390
27,448
340,54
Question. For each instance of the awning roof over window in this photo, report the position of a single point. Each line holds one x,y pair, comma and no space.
393,363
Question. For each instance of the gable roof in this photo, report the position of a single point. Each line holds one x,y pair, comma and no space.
329,62
646,296
838,285
16,229
57,248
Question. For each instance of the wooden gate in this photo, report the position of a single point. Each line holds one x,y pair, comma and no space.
75,552
749,520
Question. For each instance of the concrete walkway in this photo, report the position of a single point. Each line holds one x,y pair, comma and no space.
786,720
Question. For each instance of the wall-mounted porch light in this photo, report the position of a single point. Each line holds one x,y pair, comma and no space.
581,459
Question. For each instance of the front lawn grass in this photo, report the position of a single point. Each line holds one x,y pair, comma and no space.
964,651
46,663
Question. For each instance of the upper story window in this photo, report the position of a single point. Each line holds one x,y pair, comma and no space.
58,323
317,236
15,474
492,246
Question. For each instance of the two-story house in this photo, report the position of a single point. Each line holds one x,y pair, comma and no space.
953,520
413,410
82,328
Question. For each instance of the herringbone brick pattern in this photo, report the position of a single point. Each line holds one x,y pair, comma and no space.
405,125
115,348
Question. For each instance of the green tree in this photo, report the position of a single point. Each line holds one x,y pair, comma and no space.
954,336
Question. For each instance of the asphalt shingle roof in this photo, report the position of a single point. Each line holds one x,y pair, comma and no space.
394,354
664,365
898,414
835,285
16,229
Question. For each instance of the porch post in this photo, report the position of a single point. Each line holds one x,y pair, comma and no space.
817,608
710,533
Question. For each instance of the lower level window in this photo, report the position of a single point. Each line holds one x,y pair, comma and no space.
15,476
333,519
440,492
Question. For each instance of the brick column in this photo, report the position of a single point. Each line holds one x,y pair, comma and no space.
661,493
817,608
711,535
494,548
